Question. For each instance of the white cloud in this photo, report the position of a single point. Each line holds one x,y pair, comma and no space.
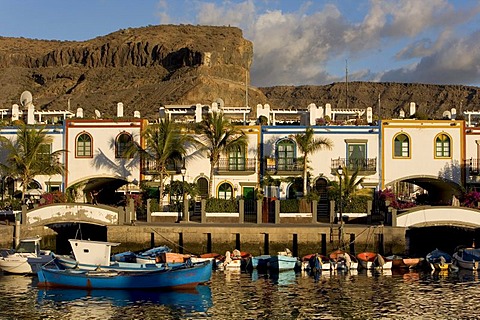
296,47
457,62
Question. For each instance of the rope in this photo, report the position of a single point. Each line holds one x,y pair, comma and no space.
173,243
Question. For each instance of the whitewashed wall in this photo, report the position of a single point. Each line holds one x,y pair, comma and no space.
422,160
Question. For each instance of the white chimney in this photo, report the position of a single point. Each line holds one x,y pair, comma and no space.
119,110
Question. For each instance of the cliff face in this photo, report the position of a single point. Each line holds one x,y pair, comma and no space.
386,99
144,68
148,67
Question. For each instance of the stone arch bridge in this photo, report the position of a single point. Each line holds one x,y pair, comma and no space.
74,213
439,216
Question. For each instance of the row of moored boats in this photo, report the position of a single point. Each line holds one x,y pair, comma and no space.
91,264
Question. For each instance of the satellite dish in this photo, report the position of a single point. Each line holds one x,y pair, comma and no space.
97,114
26,98
220,103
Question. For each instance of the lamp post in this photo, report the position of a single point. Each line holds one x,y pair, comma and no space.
183,170
340,205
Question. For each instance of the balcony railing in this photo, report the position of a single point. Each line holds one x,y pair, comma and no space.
149,168
284,166
364,166
235,166
474,167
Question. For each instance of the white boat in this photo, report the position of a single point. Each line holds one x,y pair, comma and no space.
26,258
94,255
467,258
232,261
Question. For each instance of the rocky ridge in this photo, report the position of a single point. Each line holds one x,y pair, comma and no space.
149,67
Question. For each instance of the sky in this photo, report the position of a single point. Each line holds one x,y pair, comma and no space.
295,42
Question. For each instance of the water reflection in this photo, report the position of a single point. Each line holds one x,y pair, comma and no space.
16,285
406,294
199,299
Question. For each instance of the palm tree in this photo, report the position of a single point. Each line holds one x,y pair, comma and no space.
350,184
164,142
308,144
28,157
218,137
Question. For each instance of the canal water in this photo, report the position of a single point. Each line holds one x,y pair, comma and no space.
240,295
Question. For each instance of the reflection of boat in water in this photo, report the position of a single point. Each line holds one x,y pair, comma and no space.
283,278
16,284
198,299
465,275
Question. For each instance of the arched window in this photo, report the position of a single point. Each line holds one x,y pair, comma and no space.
84,146
401,146
225,191
202,184
285,155
123,142
442,146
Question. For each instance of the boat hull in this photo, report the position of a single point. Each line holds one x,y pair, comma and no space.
467,258
172,278
23,263
69,263
281,263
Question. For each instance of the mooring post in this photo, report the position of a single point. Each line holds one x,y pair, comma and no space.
352,243
209,242
237,241
180,242
295,245
152,239
324,244
381,248
266,244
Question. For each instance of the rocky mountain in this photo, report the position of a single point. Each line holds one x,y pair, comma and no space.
149,67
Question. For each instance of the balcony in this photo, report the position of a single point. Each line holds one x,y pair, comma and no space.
474,167
285,167
367,166
235,167
148,167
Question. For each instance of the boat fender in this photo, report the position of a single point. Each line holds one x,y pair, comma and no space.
380,260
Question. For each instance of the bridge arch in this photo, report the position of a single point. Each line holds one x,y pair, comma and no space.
441,191
440,216
73,213
104,186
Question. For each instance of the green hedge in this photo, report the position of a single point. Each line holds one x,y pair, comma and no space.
289,206
357,204
221,205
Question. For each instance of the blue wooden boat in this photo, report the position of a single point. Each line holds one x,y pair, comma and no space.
437,256
282,262
467,258
65,262
260,261
184,277
439,260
